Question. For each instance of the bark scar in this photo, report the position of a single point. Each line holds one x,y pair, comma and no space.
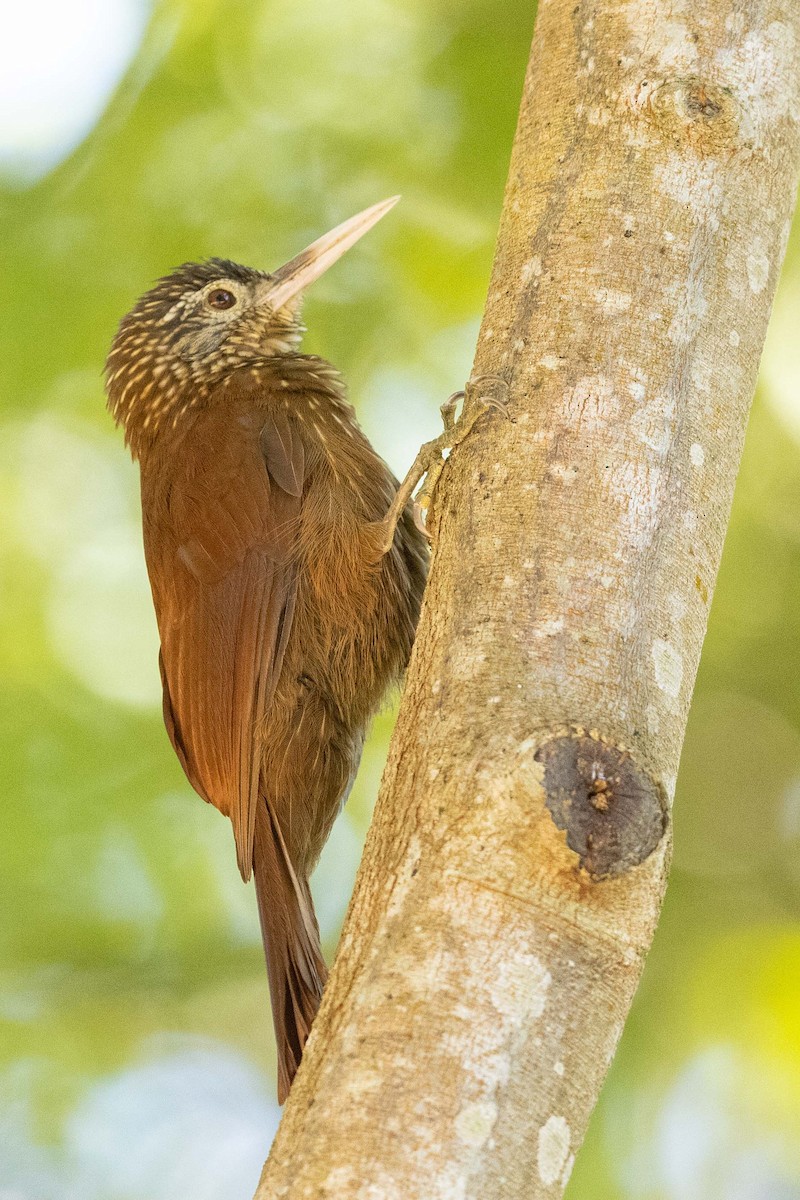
698,112
613,812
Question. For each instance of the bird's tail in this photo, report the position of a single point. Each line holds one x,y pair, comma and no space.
295,965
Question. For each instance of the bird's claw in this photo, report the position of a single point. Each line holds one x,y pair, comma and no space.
448,409
431,459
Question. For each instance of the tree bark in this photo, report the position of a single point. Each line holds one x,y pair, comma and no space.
515,868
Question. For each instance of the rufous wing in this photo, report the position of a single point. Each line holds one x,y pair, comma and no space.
224,583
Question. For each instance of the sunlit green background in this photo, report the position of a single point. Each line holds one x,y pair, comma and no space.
136,1056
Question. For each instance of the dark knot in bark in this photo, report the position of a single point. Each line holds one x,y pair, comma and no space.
613,812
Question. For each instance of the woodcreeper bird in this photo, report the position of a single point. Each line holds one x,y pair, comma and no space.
286,583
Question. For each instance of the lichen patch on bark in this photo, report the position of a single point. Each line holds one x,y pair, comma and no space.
553,1149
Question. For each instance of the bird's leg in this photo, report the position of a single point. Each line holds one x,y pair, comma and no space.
431,458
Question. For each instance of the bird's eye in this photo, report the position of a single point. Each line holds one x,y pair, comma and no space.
220,298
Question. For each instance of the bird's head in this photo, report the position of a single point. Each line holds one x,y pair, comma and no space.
207,319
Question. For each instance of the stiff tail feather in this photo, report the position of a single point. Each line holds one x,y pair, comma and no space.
295,966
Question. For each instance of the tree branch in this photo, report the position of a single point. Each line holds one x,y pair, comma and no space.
515,868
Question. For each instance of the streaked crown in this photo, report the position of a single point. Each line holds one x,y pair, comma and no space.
195,326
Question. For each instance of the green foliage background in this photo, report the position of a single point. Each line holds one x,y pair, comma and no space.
136,1056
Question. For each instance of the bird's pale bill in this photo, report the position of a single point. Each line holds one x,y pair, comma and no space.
296,275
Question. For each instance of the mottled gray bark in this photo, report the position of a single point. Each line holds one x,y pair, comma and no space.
516,865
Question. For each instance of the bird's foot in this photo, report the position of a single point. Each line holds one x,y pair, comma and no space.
488,391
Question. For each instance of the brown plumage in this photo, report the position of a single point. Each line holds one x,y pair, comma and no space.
282,623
